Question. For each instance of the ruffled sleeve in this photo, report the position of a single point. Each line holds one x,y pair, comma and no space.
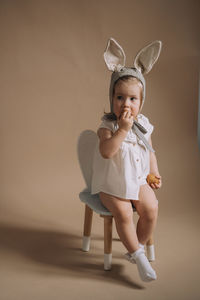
144,121
107,124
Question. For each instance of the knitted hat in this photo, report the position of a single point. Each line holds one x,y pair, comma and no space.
115,58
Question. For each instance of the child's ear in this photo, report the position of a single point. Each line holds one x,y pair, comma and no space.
114,56
147,57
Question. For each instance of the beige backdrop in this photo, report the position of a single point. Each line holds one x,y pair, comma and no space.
54,84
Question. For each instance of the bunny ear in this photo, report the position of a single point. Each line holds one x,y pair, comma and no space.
147,57
114,56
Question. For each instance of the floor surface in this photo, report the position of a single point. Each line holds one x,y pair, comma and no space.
41,263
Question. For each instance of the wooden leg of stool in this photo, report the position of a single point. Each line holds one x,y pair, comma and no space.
108,242
150,249
87,228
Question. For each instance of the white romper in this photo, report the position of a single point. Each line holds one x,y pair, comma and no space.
122,175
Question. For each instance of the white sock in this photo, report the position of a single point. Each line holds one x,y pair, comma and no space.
141,246
145,270
129,257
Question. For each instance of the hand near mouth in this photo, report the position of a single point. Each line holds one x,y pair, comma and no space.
126,119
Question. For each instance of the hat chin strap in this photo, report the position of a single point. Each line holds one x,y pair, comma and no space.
139,130
139,126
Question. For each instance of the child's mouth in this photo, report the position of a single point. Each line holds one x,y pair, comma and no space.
125,110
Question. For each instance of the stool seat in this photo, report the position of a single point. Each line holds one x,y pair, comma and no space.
94,202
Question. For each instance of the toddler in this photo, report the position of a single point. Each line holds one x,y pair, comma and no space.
125,155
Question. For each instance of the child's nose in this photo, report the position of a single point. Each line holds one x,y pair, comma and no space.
126,103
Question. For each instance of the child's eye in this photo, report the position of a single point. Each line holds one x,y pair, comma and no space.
119,97
132,98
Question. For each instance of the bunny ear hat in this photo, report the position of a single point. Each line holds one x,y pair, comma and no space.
115,59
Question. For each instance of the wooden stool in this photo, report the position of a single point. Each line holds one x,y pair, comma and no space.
93,203
108,221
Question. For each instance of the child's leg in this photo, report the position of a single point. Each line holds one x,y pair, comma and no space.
147,209
123,216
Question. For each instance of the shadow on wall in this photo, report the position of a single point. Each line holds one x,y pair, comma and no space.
56,254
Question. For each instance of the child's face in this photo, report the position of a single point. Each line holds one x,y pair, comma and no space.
127,95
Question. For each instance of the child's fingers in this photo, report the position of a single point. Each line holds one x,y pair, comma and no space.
159,184
124,114
127,114
130,115
151,185
154,186
121,116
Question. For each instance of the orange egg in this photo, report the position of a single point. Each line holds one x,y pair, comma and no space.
152,179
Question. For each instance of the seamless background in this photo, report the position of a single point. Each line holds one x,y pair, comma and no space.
53,85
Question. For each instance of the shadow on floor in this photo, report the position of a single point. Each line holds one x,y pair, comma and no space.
57,253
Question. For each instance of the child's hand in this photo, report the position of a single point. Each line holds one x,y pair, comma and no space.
155,181
125,120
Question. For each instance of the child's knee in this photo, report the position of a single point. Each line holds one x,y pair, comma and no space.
151,212
123,215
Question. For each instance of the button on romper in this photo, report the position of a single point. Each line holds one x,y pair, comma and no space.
122,175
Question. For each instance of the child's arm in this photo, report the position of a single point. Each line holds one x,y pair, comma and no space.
110,142
154,168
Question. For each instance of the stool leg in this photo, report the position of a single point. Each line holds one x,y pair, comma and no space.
108,242
87,228
150,250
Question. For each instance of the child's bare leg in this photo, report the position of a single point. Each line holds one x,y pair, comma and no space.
147,208
123,216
